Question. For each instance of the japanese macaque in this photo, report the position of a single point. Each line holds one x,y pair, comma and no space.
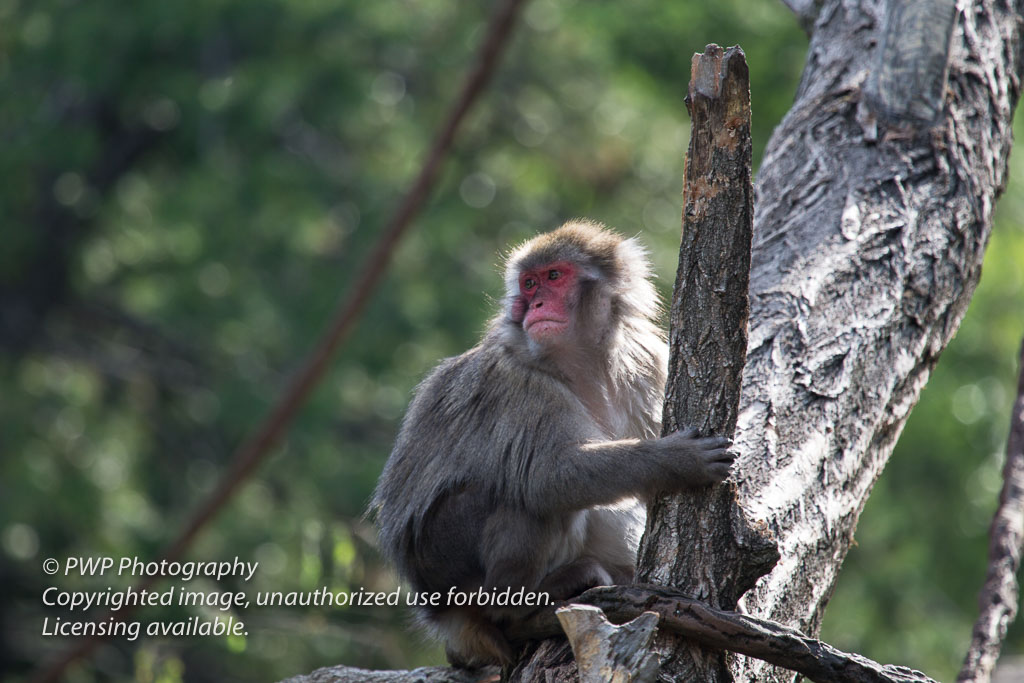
520,463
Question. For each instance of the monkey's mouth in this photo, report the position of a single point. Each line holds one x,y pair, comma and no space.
543,327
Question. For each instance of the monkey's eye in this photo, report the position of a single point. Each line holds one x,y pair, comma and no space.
529,283
554,274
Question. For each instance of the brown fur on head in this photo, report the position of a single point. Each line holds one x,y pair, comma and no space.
580,241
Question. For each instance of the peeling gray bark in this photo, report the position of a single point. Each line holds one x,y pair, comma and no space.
911,64
869,234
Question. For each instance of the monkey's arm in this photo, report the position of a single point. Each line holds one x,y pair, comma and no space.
601,473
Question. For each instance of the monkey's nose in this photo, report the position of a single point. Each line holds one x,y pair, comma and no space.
538,304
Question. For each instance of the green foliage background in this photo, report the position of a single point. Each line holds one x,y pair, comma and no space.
189,187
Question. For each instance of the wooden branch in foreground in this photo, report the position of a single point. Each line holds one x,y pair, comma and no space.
711,628
727,631
606,652
997,601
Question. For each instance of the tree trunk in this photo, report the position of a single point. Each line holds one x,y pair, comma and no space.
869,231
873,208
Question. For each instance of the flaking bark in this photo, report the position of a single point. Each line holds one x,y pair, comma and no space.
911,64
869,234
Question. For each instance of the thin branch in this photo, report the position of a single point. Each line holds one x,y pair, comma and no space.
269,431
997,601
711,628
727,631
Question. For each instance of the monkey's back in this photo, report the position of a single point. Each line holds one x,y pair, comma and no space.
466,446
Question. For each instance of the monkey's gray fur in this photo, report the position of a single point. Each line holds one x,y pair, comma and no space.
520,464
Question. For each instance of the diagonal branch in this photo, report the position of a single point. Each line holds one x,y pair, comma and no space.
997,601
715,629
254,450
723,630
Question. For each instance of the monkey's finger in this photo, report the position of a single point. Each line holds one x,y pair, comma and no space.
720,472
723,456
713,444
719,456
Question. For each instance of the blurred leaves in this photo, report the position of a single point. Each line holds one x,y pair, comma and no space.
190,187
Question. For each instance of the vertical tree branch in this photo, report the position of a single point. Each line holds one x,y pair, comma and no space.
723,552
997,601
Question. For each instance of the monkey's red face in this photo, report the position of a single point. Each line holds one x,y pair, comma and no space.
546,297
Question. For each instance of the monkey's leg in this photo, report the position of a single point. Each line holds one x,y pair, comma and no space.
471,639
574,578
613,534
